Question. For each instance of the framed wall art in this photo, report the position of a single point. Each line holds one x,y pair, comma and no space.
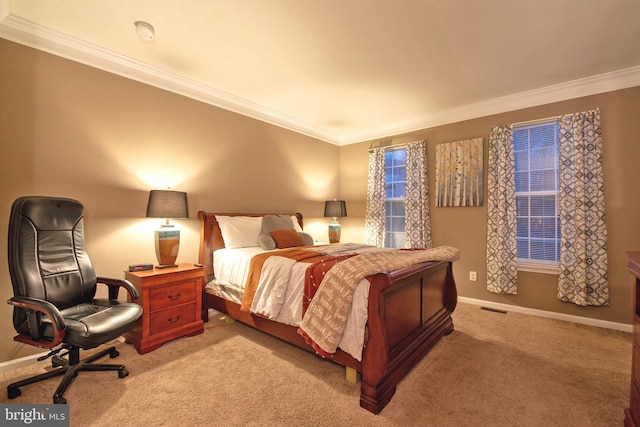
460,173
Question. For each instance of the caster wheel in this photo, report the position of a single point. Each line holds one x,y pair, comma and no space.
13,392
59,401
123,373
114,354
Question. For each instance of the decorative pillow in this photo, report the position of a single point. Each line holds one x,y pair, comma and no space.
266,242
269,224
306,238
287,238
240,231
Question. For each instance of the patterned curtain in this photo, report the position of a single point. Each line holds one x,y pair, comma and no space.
502,268
417,219
374,221
583,254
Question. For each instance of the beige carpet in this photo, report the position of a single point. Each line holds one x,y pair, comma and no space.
493,370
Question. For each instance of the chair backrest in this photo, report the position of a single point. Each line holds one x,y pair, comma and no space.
47,256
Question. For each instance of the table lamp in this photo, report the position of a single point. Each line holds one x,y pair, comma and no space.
167,204
335,209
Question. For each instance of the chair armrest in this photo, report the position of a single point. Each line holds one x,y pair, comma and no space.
32,305
115,285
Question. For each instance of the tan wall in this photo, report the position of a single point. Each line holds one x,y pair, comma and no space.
466,228
70,130
74,131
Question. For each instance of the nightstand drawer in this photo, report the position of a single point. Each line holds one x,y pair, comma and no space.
170,296
170,318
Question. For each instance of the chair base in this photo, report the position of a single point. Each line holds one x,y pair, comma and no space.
69,369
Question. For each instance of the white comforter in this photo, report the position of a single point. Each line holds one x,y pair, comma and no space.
280,290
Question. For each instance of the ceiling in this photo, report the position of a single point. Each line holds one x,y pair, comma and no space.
346,71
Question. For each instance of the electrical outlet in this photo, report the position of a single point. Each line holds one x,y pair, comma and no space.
473,276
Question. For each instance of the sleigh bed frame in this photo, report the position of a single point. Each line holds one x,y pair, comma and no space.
409,311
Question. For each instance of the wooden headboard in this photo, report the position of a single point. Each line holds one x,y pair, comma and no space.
211,237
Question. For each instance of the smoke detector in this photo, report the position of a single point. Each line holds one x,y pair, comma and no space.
144,30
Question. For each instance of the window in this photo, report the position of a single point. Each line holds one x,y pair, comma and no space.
395,177
537,189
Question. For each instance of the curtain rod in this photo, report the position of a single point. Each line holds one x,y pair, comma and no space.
524,123
533,122
389,146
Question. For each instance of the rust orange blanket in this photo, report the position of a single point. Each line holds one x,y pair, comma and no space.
324,321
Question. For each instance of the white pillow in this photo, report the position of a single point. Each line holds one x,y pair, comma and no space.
296,225
240,231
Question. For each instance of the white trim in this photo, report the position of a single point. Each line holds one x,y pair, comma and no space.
28,360
10,365
544,267
607,82
551,315
38,37
536,122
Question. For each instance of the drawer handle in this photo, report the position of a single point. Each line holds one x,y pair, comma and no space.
172,320
172,298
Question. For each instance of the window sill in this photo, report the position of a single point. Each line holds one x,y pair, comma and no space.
544,267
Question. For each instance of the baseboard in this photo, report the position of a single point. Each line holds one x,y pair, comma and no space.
550,314
27,360
19,363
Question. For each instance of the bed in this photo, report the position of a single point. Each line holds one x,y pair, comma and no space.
407,311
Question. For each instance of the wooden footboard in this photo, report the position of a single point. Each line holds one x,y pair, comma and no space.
409,311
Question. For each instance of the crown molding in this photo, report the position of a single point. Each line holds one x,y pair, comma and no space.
38,37
593,85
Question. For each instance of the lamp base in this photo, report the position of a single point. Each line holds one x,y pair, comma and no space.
334,232
167,245
165,265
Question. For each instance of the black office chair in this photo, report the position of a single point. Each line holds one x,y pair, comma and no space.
54,289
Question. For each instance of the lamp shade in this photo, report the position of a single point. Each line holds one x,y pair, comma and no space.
167,204
335,208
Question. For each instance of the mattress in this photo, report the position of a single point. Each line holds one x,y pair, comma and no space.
280,299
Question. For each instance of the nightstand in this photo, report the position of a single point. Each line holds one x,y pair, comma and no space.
171,300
